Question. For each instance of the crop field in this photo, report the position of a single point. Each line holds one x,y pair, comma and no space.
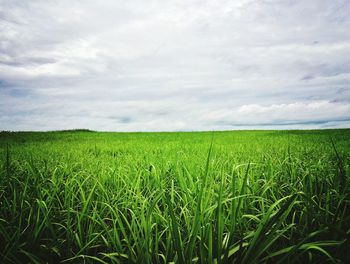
195,197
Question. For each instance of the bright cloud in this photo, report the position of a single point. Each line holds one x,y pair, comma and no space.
174,65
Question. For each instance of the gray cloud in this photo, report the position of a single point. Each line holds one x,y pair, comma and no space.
174,65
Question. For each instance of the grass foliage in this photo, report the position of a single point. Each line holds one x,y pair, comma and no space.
199,197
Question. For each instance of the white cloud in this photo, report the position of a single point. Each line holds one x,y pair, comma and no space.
174,65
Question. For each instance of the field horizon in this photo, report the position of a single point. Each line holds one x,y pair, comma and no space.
171,131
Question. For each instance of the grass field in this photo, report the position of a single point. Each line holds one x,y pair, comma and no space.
197,197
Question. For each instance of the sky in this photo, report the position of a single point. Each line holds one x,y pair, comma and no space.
179,65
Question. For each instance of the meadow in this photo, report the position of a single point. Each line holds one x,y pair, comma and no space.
194,197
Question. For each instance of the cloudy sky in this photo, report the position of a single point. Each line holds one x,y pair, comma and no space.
174,65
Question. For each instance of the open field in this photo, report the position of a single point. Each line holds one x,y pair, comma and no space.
201,197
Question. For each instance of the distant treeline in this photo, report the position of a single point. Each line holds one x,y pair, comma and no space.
65,130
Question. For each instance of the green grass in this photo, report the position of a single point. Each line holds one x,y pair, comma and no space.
199,197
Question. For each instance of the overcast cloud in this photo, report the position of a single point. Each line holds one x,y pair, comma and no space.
174,65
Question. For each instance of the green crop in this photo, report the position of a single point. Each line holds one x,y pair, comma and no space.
195,197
